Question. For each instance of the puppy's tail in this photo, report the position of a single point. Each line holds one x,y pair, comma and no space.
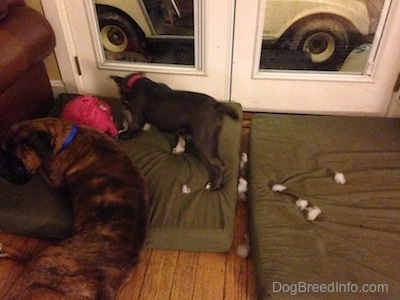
222,109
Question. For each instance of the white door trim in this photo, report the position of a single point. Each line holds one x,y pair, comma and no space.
65,51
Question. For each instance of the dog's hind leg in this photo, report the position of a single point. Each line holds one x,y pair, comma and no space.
207,145
217,172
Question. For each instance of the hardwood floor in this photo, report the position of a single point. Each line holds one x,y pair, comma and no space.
167,274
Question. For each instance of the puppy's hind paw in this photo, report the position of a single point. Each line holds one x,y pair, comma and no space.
211,186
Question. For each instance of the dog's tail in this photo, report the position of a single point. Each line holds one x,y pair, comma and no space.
223,108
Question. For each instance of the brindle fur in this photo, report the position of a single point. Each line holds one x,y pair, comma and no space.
110,211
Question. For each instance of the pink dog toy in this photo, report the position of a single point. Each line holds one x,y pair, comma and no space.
90,111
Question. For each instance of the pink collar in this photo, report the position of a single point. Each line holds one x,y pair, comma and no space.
133,79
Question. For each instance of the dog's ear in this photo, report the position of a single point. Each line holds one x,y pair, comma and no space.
41,143
118,80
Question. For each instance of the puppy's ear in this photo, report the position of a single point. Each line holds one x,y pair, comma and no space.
41,143
118,80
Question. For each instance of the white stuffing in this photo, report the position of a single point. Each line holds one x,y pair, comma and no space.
243,161
186,189
302,204
313,213
242,189
243,250
146,127
208,186
278,188
339,178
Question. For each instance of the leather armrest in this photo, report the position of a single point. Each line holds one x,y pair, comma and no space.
26,38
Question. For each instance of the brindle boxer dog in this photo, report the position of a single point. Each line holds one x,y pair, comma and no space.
110,211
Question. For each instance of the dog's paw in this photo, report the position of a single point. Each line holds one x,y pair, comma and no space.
178,151
212,186
124,135
180,146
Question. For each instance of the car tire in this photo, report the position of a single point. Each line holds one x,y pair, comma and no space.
118,32
325,38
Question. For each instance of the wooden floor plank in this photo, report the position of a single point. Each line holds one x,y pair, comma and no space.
236,267
251,285
210,276
159,275
133,287
185,275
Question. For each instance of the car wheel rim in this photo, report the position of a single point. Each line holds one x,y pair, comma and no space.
114,38
320,45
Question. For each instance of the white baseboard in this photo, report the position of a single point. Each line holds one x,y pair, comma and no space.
58,87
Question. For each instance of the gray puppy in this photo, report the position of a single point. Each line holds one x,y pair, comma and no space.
179,112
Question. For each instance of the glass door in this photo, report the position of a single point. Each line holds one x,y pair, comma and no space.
325,56
328,57
183,43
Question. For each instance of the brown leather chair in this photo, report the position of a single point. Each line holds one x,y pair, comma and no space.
26,38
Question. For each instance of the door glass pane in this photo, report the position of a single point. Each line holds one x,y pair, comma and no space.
323,35
148,31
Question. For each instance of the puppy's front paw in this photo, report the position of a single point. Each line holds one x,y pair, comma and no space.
180,146
124,135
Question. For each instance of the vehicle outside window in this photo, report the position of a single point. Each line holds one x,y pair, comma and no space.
318,33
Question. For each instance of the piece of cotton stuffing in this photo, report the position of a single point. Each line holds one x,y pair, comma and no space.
146,127
242,186
243,249
313,213
243,161
301,204
339,178
278,188
242,189
186,189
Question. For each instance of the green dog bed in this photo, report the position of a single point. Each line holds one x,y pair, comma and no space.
355,240
184,215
